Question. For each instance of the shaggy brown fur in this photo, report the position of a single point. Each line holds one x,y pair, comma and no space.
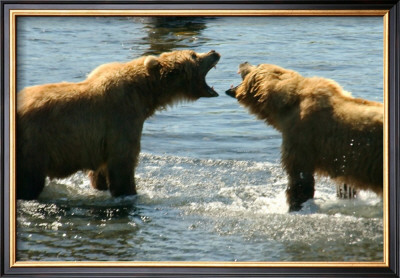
324,129
96,124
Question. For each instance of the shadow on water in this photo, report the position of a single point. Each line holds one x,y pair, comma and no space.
76,209
74,231
168,33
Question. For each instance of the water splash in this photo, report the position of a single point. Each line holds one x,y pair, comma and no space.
234,202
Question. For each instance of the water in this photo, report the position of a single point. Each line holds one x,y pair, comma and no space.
210,185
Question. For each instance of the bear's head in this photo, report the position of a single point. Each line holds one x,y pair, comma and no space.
268,91
183,73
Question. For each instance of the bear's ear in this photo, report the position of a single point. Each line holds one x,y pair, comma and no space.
244,69
151,62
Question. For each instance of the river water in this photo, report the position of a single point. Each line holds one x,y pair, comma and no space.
210,184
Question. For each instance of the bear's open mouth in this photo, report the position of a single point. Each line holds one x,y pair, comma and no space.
210,61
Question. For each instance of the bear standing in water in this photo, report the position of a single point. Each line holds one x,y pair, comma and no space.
96,124
324,129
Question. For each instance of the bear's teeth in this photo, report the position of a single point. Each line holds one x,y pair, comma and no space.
215,67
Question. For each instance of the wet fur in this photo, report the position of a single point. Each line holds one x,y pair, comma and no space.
97,124
324,129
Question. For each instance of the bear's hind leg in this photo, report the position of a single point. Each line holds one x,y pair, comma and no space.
344,191
29,184
99,179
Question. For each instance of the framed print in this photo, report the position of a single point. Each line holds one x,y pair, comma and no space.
184,139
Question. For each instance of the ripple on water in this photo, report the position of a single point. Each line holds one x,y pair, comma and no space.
185,201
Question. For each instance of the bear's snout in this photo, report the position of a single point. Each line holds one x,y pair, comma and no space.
231,92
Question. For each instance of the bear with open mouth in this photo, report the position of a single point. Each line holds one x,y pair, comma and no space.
96,124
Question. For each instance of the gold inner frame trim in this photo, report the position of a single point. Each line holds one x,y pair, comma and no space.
70,13
199,12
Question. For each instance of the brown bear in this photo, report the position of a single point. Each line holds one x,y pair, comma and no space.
324,129
96,124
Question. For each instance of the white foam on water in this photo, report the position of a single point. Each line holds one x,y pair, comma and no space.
233,199
215,187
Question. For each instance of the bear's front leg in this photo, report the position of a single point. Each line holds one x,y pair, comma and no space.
123,154
299,164
299,190
99,178
121,176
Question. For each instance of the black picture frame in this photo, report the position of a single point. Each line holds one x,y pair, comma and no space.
98,269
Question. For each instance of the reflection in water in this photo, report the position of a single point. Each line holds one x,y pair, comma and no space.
168,33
